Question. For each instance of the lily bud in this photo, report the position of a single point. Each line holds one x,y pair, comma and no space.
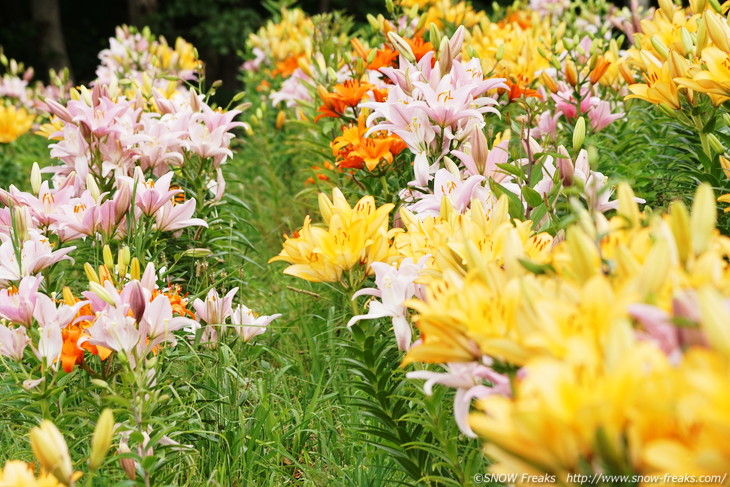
51,451
128,464
599,69
445,57
660,48
68,297
565,166
108,258
35,179
102,439
697,6
679,224
548,82
280,119
434,34
701,37
123,259
479,149
400,45
20,216
703,219
579,134
135,269
102,293
571,74
717,29
91,274
451,167
93,188
667,8
687,42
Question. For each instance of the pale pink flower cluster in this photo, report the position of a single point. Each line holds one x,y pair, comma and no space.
109,136
131,55
71,215
216,312
129,321
434,108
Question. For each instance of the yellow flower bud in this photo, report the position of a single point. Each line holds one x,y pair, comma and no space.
718,30
108,258
571,74
134,270
91,274
102,439
280,119
51,451
704,218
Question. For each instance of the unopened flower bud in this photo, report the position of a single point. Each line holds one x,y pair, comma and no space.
718,30
134,269
108,258
500,52
400,45
93,187
571,74
715,144
197,253
35,179
101,293
280,119
123,259
91,274
579,134
102,439
128,464
51,451
549,82
660,48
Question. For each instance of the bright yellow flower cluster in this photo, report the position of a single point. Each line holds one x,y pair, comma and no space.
21,474
446,12
512,46
634,413
592,390
290,38
351,237
14,122
682,49
181,57
452,237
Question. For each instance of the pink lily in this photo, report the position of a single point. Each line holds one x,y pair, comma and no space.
13,342
468,380
171,217
248,324
18,306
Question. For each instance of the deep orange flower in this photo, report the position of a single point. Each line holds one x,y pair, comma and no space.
520,89
287,67
520,17
353,150
419,47
352,91
383,58
347,94
71,354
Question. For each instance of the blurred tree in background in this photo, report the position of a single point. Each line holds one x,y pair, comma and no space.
56,33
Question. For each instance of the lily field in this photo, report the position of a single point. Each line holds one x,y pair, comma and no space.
443,247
